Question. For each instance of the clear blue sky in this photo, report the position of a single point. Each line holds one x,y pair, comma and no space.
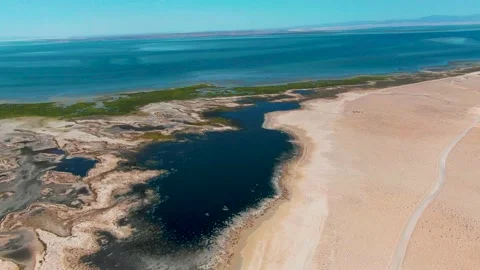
50,18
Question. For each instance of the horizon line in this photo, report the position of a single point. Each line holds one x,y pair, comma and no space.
330,27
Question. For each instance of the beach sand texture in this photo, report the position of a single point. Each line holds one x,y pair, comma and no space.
369,160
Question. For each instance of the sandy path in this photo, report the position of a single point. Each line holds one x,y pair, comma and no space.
402,245
447,236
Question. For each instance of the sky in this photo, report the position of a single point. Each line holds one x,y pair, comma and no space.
67,18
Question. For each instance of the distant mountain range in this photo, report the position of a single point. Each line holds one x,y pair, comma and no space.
435,20
424,21
448,19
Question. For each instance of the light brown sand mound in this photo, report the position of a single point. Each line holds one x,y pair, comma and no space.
6,265
369,159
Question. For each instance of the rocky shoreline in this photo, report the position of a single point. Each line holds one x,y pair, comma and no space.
61,214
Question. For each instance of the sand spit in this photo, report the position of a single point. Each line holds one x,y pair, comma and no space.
369,159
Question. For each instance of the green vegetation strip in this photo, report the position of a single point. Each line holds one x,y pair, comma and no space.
157,136
130,103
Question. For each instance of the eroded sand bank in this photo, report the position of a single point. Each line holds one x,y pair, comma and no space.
369,159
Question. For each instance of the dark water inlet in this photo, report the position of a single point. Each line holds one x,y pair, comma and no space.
304,92
215,177
77,166
211,179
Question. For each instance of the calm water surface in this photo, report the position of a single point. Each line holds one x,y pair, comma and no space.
211,179
216,176
77,166
43,70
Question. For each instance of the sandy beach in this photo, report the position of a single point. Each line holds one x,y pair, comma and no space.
386,180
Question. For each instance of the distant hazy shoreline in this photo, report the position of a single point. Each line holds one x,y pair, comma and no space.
430,21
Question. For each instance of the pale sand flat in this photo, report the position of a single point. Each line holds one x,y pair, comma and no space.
448,236
6,265
369,159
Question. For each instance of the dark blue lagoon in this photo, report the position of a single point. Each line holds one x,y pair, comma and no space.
215,176
77,166
52,69
211,179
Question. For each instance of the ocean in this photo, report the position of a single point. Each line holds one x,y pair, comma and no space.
43,70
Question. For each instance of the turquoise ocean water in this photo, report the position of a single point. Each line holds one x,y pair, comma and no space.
40,70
